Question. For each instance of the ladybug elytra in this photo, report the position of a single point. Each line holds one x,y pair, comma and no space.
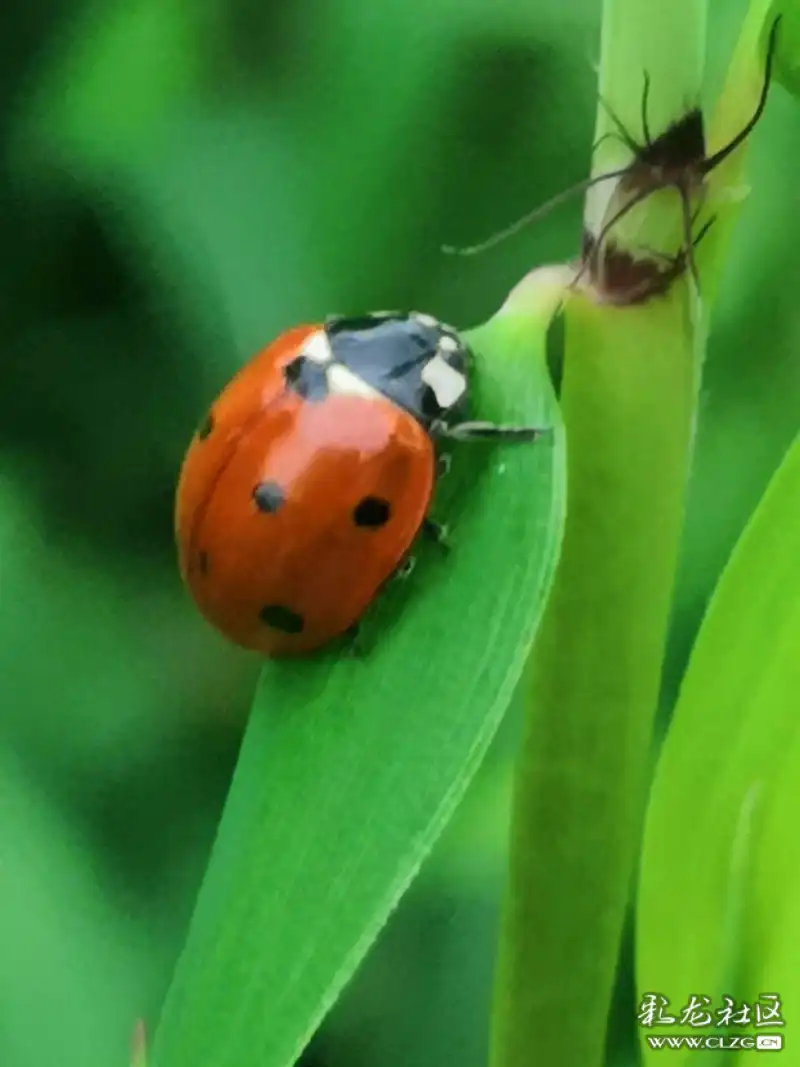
311,476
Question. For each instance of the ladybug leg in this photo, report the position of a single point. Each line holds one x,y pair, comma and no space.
405,569
436,532
355,645
444,462
489,431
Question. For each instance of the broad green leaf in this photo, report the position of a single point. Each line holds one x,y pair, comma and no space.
773,933
720,864
351,766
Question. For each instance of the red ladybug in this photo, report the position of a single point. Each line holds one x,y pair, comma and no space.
311,476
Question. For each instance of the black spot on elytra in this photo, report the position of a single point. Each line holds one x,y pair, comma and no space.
205,428
306,378
372,512
202,562
281,618
268,496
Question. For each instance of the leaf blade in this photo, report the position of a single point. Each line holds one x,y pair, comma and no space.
342,788
720,769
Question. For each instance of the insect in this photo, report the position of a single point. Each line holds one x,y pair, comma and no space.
311,477
674,159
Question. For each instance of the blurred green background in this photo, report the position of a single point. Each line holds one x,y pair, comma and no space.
179,183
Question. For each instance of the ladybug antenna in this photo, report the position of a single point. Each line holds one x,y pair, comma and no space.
501,235
713,161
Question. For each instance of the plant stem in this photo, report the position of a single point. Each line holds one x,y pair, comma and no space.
629,402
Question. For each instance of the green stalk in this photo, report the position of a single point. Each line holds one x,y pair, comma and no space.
629,399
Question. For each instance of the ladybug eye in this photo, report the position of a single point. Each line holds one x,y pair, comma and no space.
205,428
372,512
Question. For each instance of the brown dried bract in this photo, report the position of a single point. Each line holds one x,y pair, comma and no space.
676,159
626,280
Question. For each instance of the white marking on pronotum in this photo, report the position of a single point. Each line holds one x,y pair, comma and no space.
341,380
448,384
448,344
426,320
318,347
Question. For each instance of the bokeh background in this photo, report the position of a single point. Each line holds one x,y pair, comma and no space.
180,182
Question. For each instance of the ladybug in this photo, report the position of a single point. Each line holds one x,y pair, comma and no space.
311,476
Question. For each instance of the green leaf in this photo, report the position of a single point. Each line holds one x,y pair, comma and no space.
351,767
726,188
787,55
721,862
